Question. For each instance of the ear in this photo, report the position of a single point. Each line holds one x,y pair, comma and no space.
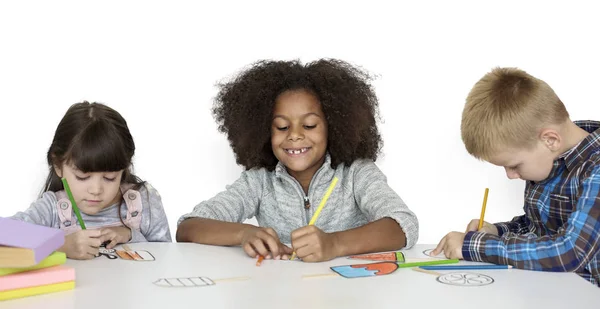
57,170
551,139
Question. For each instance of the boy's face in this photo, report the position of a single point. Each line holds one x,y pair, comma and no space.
94,191
532,164
299,133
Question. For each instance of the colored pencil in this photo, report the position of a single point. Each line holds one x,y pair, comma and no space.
485,196
321,205
466,267
75,208
431,272
427,263
259,260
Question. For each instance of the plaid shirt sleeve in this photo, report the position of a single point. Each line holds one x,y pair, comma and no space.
568,251
518,225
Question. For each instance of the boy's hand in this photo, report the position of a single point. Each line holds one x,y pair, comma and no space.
116,235
313,245
451,245
82,245
486,228
264,241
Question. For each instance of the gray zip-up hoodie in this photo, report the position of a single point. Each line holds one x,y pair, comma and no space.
361,195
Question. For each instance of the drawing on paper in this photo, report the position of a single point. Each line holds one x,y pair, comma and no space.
427,252
135,255
465,279
383,256
109,253
184,282
365,270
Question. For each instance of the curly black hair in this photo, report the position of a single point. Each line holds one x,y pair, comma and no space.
243,109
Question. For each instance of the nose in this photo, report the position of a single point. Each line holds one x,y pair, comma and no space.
295,133
511,174
95,187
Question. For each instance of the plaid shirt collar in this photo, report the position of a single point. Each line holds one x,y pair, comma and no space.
581,151
588,145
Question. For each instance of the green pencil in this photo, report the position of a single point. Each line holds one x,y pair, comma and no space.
75,208
424,263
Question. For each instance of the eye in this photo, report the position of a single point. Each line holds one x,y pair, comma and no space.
310,127
110,179
82,178
282,128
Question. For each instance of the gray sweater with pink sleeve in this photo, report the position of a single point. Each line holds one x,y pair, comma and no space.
154,226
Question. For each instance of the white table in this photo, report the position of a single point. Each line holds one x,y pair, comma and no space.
104,283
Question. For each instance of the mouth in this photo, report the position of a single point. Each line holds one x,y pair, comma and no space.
93,201
296,151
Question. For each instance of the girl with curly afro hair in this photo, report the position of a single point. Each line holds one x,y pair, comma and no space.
295,128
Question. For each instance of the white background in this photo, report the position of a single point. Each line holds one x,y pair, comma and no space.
157,64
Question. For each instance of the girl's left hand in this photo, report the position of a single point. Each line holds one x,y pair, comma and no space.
116,235
313,245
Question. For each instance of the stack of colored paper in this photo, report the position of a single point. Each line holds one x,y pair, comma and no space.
29,262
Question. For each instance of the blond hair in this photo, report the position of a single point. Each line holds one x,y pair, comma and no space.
506,108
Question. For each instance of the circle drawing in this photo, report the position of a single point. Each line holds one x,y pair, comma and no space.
465,279
427,252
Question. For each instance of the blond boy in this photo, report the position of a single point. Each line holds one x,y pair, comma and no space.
514,120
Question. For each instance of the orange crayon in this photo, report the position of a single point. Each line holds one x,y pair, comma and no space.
260,259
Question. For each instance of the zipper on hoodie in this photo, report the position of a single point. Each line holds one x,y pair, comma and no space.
306,200
307,208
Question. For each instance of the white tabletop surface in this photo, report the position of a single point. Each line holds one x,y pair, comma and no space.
104,283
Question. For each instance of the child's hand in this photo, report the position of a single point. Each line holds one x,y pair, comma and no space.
82,245
116,235
451,245
264,241
313,245
486,228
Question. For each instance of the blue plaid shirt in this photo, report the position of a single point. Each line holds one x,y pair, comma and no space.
560,230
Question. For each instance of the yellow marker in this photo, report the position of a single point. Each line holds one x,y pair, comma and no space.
323,201
483,209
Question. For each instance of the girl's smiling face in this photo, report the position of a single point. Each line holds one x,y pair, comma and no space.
299,133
